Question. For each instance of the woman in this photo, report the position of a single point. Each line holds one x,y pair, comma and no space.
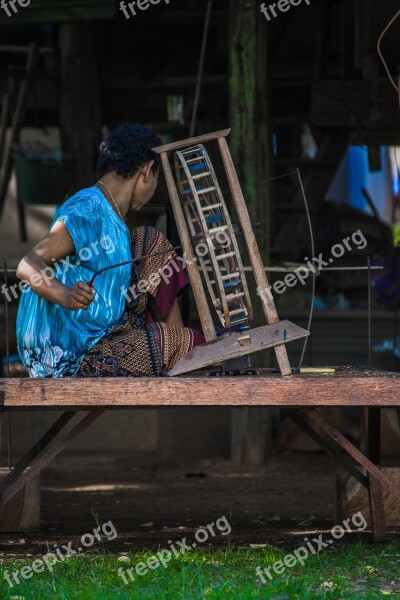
65,327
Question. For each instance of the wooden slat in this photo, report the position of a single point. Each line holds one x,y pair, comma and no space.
192,141
348,387
230,347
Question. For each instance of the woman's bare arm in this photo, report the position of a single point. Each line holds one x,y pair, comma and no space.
37,269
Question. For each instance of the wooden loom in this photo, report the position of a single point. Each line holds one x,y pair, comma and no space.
209,240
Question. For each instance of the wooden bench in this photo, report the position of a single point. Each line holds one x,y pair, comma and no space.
298,396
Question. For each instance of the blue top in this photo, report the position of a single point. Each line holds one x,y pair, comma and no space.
52,340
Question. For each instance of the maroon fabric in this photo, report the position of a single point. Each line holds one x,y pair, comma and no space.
167,293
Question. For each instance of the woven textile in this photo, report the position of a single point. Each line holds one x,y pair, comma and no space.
138,346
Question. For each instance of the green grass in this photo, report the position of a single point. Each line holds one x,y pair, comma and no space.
350,572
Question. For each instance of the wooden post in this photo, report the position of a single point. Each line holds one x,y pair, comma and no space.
251,140
251,149
372,443
80,109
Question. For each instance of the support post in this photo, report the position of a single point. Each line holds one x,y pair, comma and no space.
251,139
372,441
80,111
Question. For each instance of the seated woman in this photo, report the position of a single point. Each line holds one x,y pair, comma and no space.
129,323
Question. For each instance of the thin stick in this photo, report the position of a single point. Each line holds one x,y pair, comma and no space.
131,262
310,318
201,68
392,81
369,315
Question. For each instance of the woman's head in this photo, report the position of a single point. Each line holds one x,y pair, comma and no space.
127,152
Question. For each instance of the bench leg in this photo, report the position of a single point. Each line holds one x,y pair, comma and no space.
46,439
310,419
372,438
38,460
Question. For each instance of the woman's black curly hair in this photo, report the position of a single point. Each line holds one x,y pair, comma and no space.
126,149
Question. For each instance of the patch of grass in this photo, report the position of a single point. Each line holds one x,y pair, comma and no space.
351,572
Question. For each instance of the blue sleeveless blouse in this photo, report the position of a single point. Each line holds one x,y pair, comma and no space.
52,340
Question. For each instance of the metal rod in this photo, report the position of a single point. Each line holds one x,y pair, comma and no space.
131,262
369,314
293,269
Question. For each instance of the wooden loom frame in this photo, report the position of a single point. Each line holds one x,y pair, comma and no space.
260,277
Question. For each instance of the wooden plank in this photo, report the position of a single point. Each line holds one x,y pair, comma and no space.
200,139
193,272
238,344
348,387
260,276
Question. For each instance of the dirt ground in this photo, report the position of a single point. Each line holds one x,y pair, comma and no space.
291,497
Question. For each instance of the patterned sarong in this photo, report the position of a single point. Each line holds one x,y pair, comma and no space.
138,346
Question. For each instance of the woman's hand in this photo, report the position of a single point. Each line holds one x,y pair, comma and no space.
56,246
78,297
